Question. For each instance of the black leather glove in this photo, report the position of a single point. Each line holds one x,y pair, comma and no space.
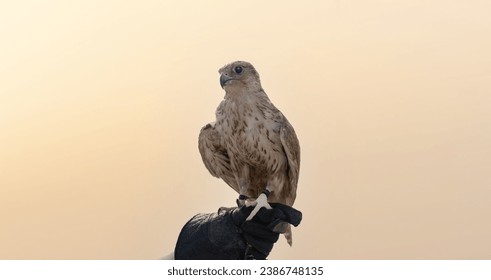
226,234
263,230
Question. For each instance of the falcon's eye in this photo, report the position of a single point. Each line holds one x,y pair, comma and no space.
238,69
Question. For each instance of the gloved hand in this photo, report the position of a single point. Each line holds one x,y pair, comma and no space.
263,230
226,235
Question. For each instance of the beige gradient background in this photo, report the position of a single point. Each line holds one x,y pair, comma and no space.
101,103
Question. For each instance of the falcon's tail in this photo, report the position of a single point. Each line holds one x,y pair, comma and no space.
288,235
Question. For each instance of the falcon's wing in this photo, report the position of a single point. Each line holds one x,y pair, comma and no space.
215,156
292,150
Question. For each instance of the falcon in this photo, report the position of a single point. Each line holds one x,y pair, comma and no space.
251,145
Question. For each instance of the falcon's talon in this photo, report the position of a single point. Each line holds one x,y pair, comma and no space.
248,203
240,202
261,201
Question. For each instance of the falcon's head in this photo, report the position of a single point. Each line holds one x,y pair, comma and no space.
239,75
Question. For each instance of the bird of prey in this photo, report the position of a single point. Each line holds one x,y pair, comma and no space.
251,145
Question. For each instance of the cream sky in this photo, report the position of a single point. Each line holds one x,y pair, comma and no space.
101,103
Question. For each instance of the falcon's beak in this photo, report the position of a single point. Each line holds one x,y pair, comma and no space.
224,78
